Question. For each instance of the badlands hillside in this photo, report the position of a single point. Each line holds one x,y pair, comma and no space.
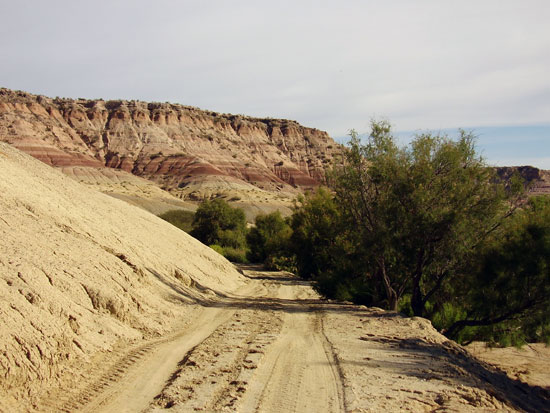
82,273
107,308
163,156
194,154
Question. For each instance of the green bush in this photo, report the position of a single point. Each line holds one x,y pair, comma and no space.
317,237
217,248
216,222
281,263
268,242
232,254
179,218
235,254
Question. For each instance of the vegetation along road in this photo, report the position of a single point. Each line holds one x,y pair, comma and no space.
277,347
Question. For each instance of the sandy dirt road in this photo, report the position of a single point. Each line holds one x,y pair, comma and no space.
276,347
261,350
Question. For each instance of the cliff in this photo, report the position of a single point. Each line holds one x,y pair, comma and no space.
537,180
190,152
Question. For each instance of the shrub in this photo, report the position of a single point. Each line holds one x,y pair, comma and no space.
217,248
232,254
216,222
269,241
317,234
235,254
179,218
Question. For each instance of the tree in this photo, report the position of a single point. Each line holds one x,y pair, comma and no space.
268,240
325,250
418,211
509,288
316,232
217,223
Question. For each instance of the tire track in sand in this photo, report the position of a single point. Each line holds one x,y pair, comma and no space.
132,378
136,378
299,373
258,365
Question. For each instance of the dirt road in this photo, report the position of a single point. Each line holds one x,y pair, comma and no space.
276,347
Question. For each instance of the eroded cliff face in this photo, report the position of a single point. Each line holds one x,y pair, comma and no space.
190,152
537,180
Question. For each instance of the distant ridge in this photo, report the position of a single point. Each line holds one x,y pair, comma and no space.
538,180
192,153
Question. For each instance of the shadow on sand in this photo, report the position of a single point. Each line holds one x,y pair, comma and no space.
466,369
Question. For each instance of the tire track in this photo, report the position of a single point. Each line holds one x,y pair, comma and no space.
264,351
216,373
131,382
300,371
75,399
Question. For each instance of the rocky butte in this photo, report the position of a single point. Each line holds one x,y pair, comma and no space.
192,153
163,156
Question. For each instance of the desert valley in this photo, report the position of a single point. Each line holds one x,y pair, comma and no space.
105,307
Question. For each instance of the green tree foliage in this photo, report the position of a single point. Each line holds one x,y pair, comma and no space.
179,218
429,229
316,230
325,249
268,241
509,289
217,223
419,211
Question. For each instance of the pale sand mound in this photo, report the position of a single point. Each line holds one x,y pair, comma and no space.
130,188
81,272
393,363
530,364
149,196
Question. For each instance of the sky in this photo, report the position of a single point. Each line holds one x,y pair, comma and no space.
425,65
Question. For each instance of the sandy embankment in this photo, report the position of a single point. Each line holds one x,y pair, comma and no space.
83,274
107,308
530,364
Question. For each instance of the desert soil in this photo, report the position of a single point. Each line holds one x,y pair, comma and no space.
106,308
275,346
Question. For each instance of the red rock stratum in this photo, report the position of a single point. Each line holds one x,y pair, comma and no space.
190,152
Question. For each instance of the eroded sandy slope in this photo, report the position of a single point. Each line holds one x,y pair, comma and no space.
82,273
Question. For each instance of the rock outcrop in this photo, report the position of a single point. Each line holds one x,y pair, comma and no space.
192,153
537,180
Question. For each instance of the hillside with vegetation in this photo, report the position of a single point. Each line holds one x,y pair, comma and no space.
107,307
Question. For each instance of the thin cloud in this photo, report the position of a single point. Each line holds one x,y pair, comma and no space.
331,65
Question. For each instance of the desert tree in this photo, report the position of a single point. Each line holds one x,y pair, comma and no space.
508,286
268,241
418,211
217,223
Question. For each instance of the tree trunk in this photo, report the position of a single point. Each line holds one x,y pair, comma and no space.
391,294
417,303
417,299
393,300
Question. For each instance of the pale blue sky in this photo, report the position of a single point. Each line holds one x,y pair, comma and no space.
505,145
333,65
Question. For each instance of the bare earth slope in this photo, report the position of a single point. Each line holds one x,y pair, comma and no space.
81,272
130,188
